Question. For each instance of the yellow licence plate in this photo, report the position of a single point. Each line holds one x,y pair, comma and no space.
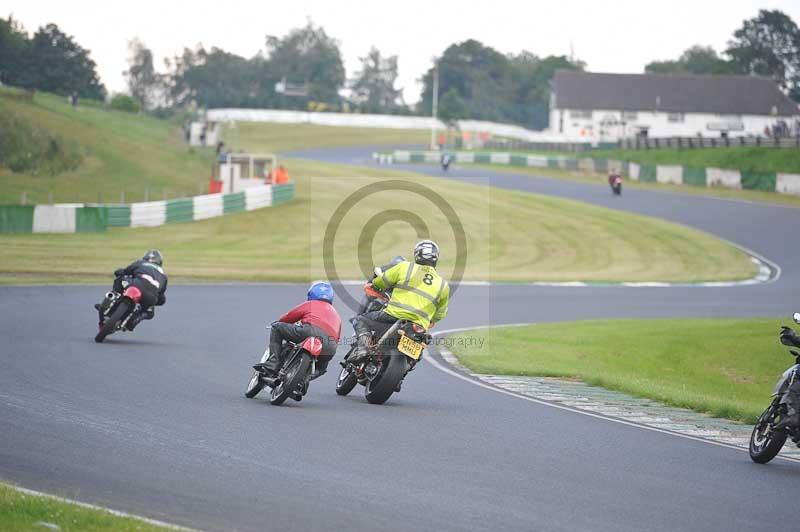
411,348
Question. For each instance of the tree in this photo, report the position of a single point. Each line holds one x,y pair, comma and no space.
373,86
695,60
769,45
309,56
452,107
493,86
13,51
144,83
61,65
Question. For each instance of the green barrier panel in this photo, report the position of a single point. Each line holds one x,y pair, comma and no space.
91,219
758,180
484,158
16,218
571,164
180,210
693,176
519,160
233,202
552,163
647,173
607,146
417,157
119,215
282,193
600,165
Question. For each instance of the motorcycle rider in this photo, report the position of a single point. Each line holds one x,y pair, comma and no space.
419,295
367,300
314,317
791,338
149,277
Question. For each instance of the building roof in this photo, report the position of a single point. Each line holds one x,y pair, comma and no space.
676,93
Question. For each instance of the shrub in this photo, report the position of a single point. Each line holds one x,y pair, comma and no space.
123,102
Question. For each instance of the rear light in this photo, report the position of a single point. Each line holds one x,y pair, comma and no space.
133,293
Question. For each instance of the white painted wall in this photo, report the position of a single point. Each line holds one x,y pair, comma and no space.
658,124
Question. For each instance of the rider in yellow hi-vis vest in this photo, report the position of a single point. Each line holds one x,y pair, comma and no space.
419,294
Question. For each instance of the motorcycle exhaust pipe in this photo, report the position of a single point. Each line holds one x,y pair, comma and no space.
110,296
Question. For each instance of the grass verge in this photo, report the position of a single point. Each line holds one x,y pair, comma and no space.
22,511
724,367
510,236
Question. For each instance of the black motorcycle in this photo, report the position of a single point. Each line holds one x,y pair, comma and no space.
299,364
119,311
771,430
390,357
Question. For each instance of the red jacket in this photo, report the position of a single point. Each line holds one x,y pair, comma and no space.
318,313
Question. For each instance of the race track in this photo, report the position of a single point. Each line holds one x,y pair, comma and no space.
154,423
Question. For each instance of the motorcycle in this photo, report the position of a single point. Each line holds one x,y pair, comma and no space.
389,359
120,311
615,182
294,376
770,433
445,161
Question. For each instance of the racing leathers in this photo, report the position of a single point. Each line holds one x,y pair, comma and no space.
150,279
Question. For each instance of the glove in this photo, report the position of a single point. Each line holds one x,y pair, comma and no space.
789,337
119,273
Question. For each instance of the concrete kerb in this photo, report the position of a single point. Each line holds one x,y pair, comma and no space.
701,428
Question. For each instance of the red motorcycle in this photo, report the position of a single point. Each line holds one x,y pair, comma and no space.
119,311
615,182
299,364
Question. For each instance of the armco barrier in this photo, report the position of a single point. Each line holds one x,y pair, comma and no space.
782,183
79,218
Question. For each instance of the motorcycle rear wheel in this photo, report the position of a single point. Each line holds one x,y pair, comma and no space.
383,386
111,322
764,447
295,375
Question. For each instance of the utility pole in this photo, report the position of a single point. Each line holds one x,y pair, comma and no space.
435,106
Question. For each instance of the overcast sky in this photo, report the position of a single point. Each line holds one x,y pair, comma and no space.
611,36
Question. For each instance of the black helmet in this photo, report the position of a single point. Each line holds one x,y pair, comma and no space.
426,252
154,256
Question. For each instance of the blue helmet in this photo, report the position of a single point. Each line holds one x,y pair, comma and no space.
321,291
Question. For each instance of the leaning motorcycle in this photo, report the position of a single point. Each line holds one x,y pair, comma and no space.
390,357
615,182
770,433
299,363
120,311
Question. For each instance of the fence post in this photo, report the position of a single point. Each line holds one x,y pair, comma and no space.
24,198
758,141
122,196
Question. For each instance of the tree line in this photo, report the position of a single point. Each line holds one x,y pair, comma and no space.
304,70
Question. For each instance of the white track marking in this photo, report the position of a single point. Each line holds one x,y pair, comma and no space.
117,513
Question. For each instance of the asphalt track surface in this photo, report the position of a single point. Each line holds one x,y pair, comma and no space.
154,422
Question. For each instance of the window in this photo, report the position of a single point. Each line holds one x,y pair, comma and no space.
629,116
580,114
675,117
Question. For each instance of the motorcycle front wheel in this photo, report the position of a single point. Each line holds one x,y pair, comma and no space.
765,442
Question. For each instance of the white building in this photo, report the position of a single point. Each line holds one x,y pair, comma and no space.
607,107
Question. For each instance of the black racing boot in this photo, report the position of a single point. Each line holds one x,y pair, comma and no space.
149,314
360,352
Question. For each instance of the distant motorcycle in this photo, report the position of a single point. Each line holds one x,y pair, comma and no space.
446,159
119,311
294,375
615,182
390,357
770,433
